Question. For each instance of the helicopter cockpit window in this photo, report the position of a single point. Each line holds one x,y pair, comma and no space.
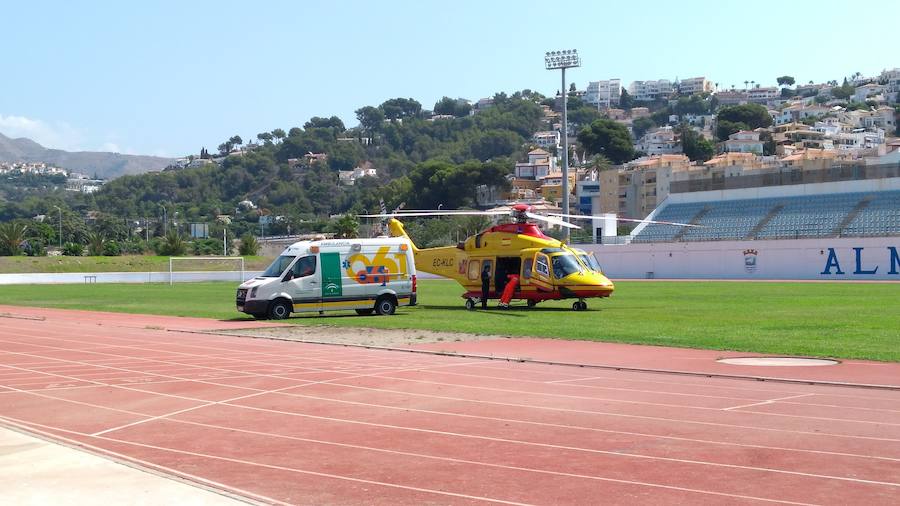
526,268
565,265
590,261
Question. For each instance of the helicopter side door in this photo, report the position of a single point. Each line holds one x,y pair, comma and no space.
540,271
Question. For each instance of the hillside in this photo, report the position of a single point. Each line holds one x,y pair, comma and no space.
104,165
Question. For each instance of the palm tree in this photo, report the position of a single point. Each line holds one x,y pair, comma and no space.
752,84
96,242
346,227
173,245
745,84
12,235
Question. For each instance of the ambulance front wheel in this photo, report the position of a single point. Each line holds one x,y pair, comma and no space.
279,309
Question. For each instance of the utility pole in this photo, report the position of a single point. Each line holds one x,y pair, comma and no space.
60,227
563,60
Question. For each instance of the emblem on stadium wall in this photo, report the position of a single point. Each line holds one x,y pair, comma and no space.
750,259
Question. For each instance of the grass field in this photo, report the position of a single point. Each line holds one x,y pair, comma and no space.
125,263
817,319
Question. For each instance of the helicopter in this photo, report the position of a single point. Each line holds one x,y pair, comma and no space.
540,267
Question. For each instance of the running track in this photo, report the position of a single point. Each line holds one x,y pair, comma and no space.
287,422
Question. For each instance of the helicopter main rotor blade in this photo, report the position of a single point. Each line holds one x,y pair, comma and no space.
435,213
552,221
581,217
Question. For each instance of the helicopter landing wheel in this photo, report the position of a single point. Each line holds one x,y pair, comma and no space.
532,303
579,305
470,304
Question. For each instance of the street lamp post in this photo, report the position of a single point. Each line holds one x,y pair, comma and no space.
563,60
60,226
165,221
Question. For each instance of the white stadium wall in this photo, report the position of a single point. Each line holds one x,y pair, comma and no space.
867,259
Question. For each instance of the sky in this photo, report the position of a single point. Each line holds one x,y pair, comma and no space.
167,78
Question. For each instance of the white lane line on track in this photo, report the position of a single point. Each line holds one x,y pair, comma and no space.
622,415
225,401
444,433
592,387
28,426
160,375
571,448
386,374
25,425
770,401
588,429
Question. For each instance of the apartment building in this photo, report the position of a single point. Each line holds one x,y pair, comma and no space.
645,183
648,91
695,85
762,95
603,93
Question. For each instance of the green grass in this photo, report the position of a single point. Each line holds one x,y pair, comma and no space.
125,263
816,319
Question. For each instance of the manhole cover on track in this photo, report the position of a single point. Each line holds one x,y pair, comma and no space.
778,361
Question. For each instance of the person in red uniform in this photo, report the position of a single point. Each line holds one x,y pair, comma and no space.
507,295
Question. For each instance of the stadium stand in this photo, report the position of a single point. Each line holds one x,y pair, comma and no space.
830,215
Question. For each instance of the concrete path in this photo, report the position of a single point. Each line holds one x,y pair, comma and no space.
36,472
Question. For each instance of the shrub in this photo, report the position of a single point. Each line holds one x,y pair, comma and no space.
73,249
111,249
249,246
34,247
206,247
134,247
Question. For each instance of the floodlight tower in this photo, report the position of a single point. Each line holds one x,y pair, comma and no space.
563,60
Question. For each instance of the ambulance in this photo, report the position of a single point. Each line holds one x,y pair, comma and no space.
365,275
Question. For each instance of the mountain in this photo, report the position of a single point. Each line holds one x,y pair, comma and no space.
104,165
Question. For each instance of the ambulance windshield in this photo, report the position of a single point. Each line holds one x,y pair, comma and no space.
278,266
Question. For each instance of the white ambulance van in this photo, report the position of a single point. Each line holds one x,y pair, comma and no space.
366,275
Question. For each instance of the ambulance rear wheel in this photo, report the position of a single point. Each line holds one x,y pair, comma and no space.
470,304
385,306
279,309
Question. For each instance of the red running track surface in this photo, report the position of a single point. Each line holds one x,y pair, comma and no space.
287,422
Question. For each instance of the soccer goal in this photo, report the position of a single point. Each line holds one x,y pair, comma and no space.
206,269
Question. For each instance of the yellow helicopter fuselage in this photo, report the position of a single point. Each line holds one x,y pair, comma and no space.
546,268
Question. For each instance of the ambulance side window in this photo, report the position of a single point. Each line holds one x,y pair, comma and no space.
306,266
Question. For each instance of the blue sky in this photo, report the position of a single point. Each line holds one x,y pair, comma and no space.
166,78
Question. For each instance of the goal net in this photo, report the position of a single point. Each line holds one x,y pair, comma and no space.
183,269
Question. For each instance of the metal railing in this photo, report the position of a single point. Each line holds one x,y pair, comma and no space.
790,176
